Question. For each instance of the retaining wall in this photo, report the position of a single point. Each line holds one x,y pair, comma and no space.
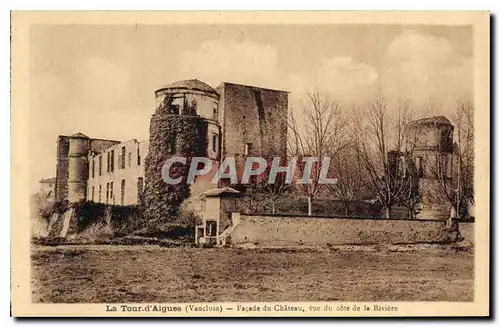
89,217
295,230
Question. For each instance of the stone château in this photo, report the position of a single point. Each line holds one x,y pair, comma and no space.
238,121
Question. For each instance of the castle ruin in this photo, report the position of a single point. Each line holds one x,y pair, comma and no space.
193,119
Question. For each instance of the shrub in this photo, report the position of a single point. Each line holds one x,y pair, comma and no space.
88,213
188,219
120,219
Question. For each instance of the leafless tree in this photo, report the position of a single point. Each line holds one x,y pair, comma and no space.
410,197
465,150
382,146
318,133
346,167
271,191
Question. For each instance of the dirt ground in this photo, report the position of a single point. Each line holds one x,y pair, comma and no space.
117,274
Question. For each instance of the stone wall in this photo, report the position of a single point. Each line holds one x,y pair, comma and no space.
295,230
255,116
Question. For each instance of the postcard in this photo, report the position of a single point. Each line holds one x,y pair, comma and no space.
250,164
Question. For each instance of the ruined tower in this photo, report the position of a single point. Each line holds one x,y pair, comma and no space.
77,167
185,124
255,122
431,141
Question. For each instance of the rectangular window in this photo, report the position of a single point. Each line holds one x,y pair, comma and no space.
248,148
122,157
122,192
112,167
214,142
215,114
108,162
174,109
138,156
100,165
92,198
111,197
130,159
107,192
93,167
140,188
100,192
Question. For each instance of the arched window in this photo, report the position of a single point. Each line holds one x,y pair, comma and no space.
214,143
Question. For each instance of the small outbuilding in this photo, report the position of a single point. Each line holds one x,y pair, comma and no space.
216,208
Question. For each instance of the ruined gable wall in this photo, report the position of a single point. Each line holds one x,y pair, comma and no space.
98,145
253,115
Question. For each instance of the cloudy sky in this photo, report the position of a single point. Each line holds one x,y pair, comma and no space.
100,80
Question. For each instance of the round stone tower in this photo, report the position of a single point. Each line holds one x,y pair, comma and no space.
431,148
184,100
185,124
77,167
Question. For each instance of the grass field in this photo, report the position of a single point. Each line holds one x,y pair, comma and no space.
154,274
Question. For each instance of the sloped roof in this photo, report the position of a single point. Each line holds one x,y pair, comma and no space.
81,135
437,120
222,84
220,192
190,84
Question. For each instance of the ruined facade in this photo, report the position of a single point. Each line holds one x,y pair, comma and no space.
254,122
240,121
431,151
229,121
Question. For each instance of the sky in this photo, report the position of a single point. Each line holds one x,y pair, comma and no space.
100,80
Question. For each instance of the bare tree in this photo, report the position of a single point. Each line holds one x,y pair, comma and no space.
319,134
346,167
465,151
410,197
382,146
271,191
